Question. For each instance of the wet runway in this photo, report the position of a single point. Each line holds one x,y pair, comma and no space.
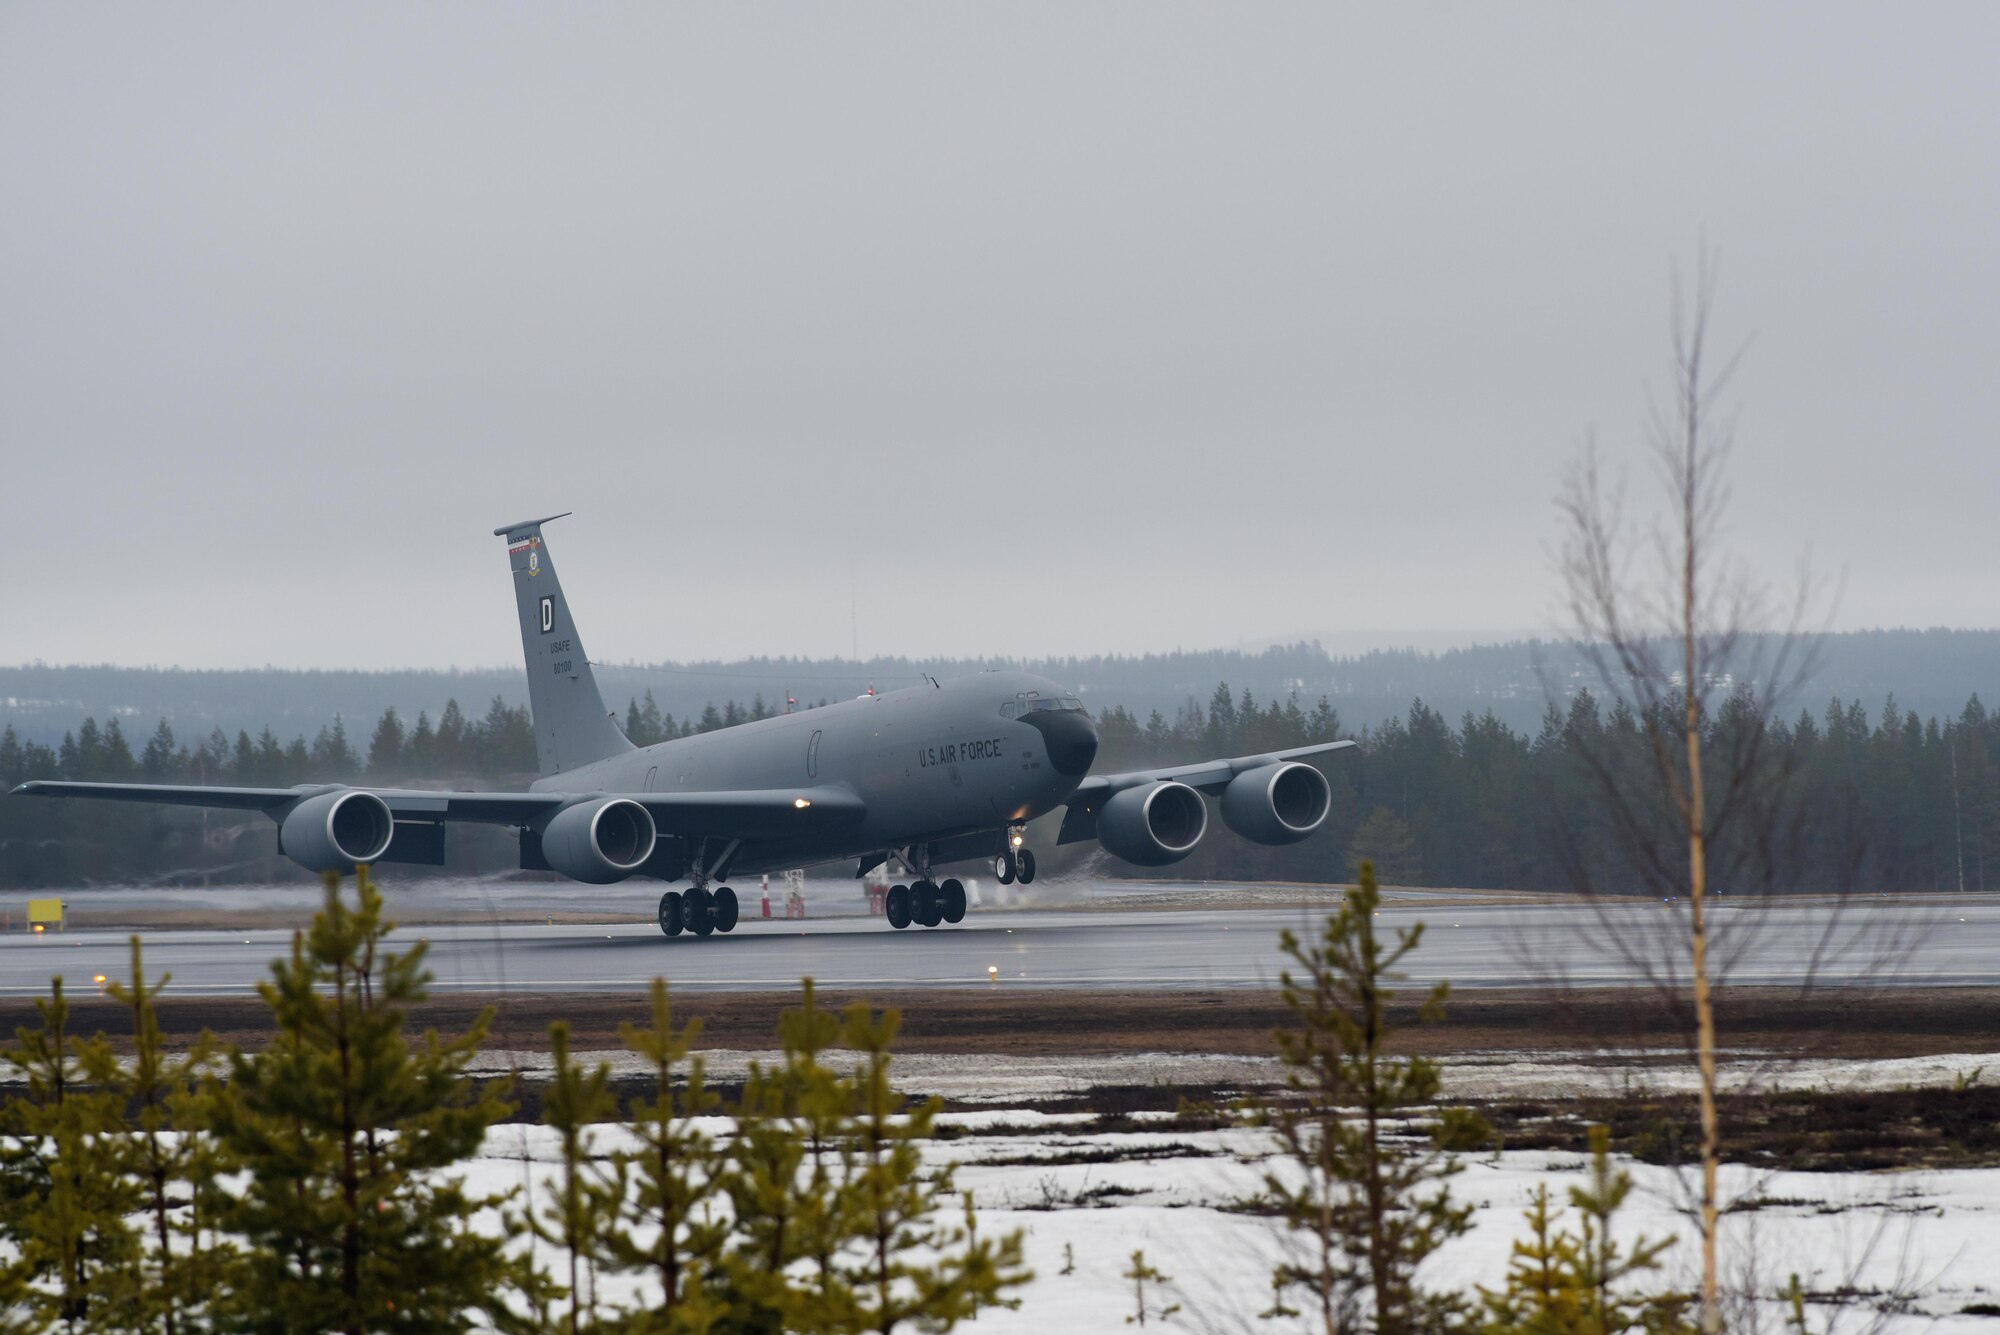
1933,942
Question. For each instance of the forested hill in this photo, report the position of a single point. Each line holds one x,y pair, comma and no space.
1930,672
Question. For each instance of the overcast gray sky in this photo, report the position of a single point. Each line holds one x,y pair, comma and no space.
1099,327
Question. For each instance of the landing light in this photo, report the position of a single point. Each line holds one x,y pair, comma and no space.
97,978
992,972
1018,841
800,803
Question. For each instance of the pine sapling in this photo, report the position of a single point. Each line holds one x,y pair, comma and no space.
170,1152
822,1103
910,1265
1369,1203
1141,1274
765,1186
669,1230
580,1214
1564,1282
65,1195
348,1131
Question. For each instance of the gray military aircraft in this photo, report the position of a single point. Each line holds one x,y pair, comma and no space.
944,773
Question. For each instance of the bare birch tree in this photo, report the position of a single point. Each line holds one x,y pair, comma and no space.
1677,631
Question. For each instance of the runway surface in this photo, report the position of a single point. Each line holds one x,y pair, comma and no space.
1931,942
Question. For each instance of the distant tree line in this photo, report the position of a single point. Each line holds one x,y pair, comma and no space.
1894,802
499,745
1899,804
1932,670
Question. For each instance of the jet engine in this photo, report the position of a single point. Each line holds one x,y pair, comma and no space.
337,831
599,841
1276,804
1153,824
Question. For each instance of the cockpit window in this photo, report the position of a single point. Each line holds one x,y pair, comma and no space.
1067,702
1012,709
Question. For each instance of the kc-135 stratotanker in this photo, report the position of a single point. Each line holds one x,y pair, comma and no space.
948,772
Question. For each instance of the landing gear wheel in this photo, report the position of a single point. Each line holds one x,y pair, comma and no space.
1005,868
926,907
1027,866
896,906
723,910
698,910
670,913
952,892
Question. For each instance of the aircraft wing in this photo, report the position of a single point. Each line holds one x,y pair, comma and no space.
752,814
1208,776
243,799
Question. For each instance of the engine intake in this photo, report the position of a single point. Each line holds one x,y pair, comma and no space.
1154,824
599,841
337,831
1277,804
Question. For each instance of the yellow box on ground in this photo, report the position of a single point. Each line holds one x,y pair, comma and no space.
45,913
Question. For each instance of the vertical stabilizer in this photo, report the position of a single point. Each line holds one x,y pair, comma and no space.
572,728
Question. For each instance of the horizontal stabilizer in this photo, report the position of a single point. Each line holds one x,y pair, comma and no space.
523,526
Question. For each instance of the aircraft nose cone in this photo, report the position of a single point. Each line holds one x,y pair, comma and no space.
1069,737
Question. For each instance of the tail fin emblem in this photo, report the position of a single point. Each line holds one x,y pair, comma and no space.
534,561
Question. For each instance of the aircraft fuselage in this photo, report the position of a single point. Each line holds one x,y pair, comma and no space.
929,761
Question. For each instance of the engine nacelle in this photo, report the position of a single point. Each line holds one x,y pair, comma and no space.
1153,824
599,841
337,831
1277,804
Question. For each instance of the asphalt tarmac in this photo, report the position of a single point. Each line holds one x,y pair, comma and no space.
1944,941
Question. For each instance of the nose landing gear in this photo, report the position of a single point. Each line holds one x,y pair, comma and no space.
1016,864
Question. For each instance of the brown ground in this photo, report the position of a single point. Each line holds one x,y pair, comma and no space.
1808,1129
1830,1023
1801,1130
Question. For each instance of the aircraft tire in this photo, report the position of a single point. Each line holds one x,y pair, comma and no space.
699,912
723,909
1027,866
896,906
926,906
1005,868
671,920
953,892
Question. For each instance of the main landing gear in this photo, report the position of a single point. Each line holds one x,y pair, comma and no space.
927,903
923,901
698,910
